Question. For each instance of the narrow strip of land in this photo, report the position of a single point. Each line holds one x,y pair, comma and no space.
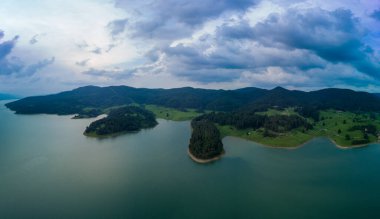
203,161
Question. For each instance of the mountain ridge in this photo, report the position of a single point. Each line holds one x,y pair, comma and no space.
248,98
6,96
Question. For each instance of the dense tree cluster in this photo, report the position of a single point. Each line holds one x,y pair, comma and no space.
283,123
124,119
370,129
308,112
365,129
241,120
205,140
245,120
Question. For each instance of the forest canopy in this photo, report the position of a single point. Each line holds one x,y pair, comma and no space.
205,140
124,119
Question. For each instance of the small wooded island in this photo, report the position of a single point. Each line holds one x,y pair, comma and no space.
205,144
277,117
123,119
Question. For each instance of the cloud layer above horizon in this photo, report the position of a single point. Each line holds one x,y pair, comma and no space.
49,46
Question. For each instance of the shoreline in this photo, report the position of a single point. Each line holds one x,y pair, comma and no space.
303,144
352,146
112,135
203,161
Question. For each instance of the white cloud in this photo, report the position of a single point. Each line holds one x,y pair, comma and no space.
64,24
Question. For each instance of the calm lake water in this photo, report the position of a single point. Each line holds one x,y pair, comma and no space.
48,169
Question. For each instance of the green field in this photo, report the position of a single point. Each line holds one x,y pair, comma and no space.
336,120
172,114
290,139
334,125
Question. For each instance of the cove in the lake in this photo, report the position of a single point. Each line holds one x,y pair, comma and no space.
48,169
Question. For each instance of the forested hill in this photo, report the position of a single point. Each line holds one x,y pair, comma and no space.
377,94
71,102
331,98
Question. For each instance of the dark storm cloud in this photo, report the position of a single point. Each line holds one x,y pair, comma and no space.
335,36
226,58
189,12
376,14
11,65
6,46
198,11
14,65
313,29
241,30
297,40
231,55
171,19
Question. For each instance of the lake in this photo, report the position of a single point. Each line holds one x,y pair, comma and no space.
49,169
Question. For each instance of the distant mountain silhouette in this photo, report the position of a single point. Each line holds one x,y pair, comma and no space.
250,98
4,96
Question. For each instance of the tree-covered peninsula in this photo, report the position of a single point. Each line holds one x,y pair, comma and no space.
123,119
205,144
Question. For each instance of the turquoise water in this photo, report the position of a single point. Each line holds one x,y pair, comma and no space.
48,169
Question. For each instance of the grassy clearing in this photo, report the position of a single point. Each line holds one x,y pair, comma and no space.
334,125
290,139
172,114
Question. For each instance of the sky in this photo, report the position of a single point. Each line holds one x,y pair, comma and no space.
48,46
